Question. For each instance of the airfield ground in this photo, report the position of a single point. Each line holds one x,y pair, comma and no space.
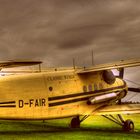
94,128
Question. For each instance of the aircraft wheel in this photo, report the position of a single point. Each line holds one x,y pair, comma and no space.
128,126
75,122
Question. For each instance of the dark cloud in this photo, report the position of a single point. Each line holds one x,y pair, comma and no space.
60,30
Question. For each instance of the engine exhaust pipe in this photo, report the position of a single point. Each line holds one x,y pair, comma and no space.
102,98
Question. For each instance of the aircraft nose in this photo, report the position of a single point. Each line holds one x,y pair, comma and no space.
123,84
109,77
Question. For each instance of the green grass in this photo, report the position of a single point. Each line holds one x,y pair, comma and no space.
94,128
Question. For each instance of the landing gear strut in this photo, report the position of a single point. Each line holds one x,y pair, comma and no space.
127,125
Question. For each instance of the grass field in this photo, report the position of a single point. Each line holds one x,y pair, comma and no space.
94,128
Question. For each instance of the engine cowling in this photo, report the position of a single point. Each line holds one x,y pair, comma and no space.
109,77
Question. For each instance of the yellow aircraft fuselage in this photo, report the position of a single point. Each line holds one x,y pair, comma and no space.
55,94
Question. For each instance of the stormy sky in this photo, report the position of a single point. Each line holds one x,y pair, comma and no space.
56,31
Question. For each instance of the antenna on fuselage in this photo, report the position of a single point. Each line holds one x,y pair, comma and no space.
39,66
92,55
74,63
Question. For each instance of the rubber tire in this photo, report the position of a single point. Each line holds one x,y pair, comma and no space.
128,126
75,122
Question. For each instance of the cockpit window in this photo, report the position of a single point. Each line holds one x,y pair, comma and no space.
85,88
95,87
90,87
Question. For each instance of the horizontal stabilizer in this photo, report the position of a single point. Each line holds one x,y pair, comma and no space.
115,65
11,64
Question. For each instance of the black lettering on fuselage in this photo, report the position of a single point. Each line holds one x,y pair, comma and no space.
43,102
57,78
37,102
21,103
32,103
40,102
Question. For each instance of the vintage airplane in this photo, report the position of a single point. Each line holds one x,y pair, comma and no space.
72,92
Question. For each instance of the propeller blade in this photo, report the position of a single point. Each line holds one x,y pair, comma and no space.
121,72
119,101
134,89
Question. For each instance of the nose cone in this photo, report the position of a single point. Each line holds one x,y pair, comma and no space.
109,77
122,84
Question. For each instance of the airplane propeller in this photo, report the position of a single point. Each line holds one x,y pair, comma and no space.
121,75
134,89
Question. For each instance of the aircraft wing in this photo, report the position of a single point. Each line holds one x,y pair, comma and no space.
115,65
10,64
119,109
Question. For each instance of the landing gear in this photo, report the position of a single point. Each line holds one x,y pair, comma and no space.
127,125
75,122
